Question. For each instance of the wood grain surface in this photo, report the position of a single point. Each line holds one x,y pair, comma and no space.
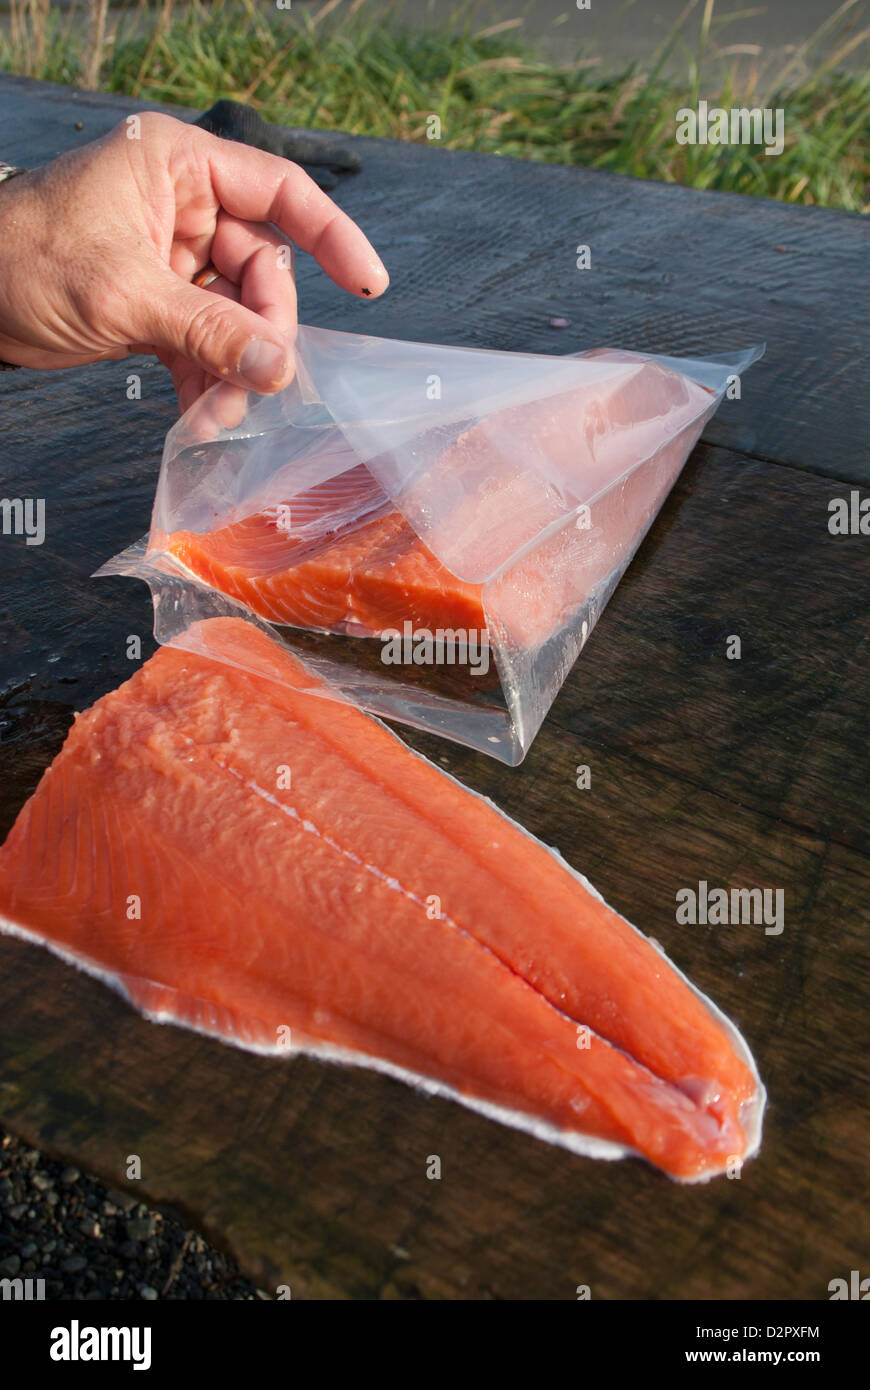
750,772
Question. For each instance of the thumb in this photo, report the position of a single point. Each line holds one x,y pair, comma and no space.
227,340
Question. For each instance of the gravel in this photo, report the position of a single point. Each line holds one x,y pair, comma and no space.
88,1241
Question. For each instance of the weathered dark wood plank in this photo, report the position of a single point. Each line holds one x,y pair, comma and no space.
744,549
740,773
482,252
315,1176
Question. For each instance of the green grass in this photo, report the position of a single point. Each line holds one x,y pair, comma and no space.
492,91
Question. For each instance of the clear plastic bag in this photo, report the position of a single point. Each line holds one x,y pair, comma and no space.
434,530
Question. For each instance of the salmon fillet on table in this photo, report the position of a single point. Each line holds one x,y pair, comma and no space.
241,856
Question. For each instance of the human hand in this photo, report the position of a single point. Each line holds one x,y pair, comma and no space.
98,250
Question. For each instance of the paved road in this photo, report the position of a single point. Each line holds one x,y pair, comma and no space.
623,31
616,31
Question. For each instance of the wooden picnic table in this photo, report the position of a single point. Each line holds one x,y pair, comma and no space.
749,772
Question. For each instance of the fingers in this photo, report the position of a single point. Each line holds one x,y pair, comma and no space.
223,406
258,259
228,341
214,406
191,254
260,187
190,382
254,262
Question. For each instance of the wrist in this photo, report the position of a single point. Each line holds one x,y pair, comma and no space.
7,172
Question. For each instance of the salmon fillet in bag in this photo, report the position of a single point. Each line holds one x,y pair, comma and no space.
435,529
